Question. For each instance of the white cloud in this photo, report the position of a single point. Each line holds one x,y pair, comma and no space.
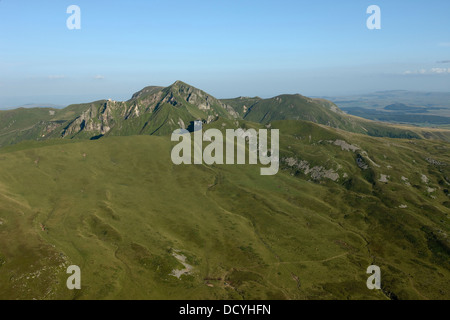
428,72
440,70
99,77
421,71
444,44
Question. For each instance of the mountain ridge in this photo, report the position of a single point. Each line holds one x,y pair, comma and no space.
158,110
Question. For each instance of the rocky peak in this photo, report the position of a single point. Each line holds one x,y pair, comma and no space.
147,91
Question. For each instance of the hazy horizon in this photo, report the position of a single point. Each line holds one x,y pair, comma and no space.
56,103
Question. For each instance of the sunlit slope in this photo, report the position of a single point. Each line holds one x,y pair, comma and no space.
119,209
24,124
321,111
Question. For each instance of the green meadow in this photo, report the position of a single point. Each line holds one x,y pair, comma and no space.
120,209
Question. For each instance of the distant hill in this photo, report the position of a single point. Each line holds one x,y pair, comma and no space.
41,105
377,100
34,105
420,108
406,115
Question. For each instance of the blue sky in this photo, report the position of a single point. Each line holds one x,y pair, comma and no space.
227,48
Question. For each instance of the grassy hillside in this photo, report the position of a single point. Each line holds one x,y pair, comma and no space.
321,111
119,209
23,124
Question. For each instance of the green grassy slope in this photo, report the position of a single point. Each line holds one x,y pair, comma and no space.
24,124
298,107
119,209
292,107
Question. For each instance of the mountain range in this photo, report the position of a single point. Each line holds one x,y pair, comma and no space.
93,185
159,111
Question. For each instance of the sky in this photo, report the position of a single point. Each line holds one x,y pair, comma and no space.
227,48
